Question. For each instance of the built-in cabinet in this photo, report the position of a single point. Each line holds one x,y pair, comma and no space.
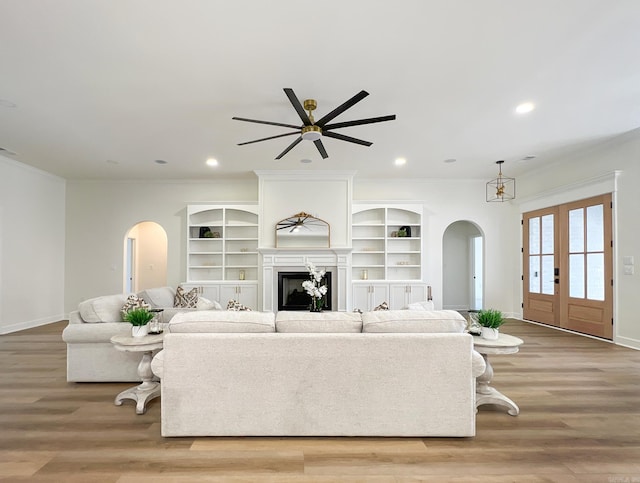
386,261
222,252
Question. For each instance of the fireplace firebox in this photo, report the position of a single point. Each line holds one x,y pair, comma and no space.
291,295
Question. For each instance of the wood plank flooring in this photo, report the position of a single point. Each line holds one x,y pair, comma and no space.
579,422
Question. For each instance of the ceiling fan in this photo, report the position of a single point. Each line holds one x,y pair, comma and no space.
312,130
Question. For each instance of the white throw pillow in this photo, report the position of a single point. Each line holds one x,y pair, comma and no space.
206,304
431,321
426,305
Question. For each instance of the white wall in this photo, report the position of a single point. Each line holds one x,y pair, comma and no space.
591,173
32,239
99,214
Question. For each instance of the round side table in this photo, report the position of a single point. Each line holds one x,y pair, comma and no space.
485,394
148,389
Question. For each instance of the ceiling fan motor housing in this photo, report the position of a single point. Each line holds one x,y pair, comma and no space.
311,133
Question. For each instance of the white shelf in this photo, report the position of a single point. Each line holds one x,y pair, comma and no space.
234,249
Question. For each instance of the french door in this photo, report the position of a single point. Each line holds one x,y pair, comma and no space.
568,266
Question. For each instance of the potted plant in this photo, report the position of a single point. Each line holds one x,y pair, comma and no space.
138,318
490,320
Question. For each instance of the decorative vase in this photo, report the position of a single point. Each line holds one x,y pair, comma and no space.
316,305
139,330
489,333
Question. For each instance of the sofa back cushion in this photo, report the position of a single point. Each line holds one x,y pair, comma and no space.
202,321
431,321
158,298
106,308
301,321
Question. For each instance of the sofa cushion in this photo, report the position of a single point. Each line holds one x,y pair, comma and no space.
106,308
433,321
222,321
158,298
184,299
426,305
299,321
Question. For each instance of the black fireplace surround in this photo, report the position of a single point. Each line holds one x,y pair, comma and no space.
291,295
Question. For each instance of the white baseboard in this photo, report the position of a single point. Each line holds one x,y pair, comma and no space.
627,342
30,324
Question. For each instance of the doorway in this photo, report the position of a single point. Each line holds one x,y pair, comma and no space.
145,257
568,266
463,266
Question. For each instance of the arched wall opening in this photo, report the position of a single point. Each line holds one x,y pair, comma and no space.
145,257
463,266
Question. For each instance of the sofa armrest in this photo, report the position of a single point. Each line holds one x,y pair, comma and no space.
74,317
157,364
478,364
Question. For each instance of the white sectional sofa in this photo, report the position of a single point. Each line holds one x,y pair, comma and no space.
387,373
90,355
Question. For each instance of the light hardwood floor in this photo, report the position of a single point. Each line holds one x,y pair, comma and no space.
579,422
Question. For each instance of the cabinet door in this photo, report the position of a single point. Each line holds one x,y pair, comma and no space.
361,297
246,294
368,296
404,294
379,294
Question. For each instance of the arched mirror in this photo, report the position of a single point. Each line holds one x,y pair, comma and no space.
302,230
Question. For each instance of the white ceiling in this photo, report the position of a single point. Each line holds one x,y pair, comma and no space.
103,88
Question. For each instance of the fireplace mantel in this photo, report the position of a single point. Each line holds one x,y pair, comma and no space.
335,260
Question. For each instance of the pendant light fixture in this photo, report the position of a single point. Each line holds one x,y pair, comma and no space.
501,188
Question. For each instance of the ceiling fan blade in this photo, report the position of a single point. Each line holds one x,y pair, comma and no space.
270,137
297,106
289,148
341,108
359,122
342,137
320,146
267,122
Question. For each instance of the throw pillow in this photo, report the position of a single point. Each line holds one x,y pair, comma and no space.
186,300
237,306
206,304
133,302
382,306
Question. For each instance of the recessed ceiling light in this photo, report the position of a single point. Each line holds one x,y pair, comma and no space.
529,157
7,103
400,162
160,161
525,107
305,161
212,162
112,161
450,160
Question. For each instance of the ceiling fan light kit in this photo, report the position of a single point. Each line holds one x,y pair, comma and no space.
312,130
501,188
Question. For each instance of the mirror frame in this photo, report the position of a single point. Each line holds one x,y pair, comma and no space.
303,219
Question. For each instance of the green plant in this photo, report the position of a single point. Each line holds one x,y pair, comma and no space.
138,317
491,318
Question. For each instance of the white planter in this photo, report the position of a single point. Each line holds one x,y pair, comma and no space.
139,330
489,333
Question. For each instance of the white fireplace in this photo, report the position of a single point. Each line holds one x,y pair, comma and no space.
334,260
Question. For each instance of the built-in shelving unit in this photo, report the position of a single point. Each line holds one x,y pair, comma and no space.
222,251
387,266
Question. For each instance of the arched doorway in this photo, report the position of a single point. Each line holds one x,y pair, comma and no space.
462,266
145,257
